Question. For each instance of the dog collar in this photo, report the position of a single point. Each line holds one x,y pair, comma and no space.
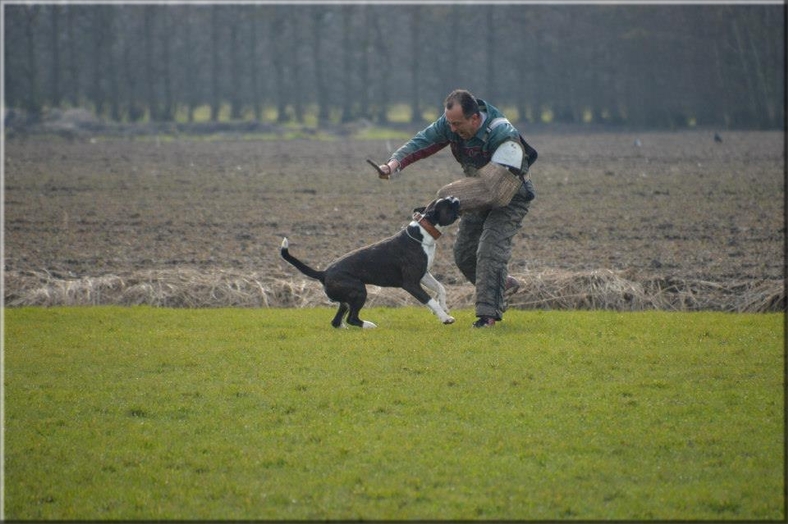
421,220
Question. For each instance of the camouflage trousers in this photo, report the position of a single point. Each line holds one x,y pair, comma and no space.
484,246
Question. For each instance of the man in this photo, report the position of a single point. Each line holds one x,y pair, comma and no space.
475,130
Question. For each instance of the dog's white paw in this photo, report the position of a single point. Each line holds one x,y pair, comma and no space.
448,320
368,325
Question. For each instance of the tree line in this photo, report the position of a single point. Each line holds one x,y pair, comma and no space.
656,66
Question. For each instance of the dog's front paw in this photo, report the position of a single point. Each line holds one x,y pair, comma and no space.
448,320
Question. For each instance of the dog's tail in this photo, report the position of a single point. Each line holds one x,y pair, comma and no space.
303,268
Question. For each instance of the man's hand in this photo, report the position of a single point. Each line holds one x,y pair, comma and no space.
385,170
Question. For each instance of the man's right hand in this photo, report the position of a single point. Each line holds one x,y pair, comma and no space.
385,170
390,168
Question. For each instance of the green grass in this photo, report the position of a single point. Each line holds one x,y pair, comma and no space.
140,413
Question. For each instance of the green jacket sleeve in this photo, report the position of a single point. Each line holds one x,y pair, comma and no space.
427,142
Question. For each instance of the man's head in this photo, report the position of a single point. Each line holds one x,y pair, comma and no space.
462,113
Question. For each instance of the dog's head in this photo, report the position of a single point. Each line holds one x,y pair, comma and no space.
441,211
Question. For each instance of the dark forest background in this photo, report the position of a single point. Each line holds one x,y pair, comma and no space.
654,66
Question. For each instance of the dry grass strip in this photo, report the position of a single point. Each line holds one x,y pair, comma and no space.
192,288
605,289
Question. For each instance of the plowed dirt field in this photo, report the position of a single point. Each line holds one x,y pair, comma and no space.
118,220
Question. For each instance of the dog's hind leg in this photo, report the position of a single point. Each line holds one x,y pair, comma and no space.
354,295
366,324
353,319
337,322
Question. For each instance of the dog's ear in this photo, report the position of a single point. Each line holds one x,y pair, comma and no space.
430,207
419,210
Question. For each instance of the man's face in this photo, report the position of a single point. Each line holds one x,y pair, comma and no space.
465,127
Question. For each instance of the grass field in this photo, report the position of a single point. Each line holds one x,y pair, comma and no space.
143,413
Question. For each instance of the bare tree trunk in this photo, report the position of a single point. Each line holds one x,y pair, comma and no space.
189,73
347,61
767,116
236,84
150,74
112,66
492,81
318,16
298,80
748,75
254,68
752,103
130,75
99,43
276,30
215,98
56,95
383,92
73,68
364,71
415,27
168,110
446,67
33,105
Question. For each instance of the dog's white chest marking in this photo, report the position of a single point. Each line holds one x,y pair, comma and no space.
428,244
430,251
